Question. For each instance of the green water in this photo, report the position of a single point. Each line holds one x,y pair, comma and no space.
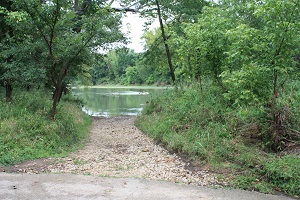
115,101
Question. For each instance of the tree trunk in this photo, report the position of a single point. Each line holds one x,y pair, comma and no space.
66,90
8,87
165,41
62,90
55,100
201,90
58,90
85,5
220,83
76,5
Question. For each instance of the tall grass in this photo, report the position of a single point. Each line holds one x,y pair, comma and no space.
213,132
26,131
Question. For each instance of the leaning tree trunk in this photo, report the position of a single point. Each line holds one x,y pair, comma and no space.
8,87
58,91
165,41
55,101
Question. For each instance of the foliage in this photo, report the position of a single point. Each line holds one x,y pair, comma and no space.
117,61
61,41
100,72
251,57
132,76
169,14
27,133
267,50
226,139
155,58
22,69
118,66
202,48
12,51
283,173
124,66
239,61
179,126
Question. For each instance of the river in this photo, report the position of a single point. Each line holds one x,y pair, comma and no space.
116,100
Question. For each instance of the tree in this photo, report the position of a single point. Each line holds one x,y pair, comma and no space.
261,58
202,47
117,61
69,36
132,76
150,8
154,60
249,48
6,33
268,49
99,71
18,64
159,14
170,14
125,58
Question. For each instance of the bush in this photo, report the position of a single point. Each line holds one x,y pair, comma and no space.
223,136
28,133
284,174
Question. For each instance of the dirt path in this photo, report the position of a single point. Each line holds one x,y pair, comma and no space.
116,148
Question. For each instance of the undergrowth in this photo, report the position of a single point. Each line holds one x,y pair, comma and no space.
225,137
26,131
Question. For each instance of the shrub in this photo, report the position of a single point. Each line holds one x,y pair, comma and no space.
206,127
28,133
283,174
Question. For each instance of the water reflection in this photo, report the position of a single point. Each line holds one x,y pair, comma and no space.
116,101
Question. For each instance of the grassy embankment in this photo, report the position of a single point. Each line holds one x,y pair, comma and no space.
224,137
26,131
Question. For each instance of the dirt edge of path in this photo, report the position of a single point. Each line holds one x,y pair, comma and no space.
117,148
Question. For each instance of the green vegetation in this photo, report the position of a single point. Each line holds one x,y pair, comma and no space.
45,46
52,43
225,137
242,115
28,133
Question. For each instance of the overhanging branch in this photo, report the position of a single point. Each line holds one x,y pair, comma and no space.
124,10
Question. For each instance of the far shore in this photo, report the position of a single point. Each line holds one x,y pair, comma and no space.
126,86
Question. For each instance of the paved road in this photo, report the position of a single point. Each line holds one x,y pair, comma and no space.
69,186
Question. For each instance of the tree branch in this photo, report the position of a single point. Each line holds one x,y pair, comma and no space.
165,41
124,10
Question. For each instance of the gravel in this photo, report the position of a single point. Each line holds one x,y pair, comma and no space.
117,148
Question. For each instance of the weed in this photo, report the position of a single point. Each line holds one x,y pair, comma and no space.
225,137
78,162
283,173
28,133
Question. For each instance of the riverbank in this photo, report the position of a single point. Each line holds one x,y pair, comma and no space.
126,86
205,127
28,133
222,158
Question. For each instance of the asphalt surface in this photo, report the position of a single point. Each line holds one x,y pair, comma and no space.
70,186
